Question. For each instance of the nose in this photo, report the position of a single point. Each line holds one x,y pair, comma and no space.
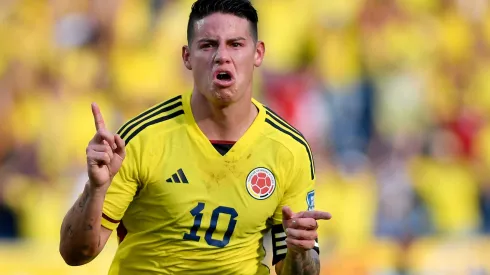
222,55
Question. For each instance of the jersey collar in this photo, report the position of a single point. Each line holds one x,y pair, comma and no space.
250,136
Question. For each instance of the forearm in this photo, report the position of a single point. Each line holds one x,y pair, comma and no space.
81,228
301,263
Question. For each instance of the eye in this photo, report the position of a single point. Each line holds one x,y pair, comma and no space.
236,44
206,46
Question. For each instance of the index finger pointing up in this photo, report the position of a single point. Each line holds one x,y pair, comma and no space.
317,215
98,119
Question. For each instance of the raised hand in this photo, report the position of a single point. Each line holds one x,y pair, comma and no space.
105,153
301,228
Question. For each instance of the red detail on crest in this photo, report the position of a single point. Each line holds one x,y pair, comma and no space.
260,183
256,189
265,190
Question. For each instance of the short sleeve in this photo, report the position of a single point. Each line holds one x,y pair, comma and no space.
300,190
122,190
299,196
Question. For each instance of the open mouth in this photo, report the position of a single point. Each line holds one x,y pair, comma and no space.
223,79
224,76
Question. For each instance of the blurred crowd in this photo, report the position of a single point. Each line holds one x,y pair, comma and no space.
393,96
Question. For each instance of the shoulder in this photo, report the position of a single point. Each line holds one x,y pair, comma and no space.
290,138
160,118
281,131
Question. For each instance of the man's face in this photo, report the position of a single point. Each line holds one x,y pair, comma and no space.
222,56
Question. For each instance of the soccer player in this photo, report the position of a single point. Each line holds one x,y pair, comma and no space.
193,184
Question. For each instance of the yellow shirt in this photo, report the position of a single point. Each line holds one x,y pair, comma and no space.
189,210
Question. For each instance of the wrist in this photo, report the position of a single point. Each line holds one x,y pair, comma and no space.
97,191
297,252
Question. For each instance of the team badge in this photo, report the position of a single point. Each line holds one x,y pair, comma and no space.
260,183
310,200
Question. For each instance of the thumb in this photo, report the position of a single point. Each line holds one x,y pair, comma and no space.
287,213
120,150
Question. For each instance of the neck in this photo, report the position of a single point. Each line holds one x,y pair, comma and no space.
223,122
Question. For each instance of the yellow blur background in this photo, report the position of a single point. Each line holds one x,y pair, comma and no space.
393,96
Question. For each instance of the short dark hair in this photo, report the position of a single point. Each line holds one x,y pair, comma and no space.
240,8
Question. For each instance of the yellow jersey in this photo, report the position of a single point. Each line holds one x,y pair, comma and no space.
181,207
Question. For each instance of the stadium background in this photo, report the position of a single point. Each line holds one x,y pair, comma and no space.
393,95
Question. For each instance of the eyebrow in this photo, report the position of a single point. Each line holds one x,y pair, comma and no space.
237,39
212,40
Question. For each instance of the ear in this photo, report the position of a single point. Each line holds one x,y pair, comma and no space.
259,53
186,57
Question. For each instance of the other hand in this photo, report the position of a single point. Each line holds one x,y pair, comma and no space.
301,228
105,153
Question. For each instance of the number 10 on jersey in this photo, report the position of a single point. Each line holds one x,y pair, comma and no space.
196,212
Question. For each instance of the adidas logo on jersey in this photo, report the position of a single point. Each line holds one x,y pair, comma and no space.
178,177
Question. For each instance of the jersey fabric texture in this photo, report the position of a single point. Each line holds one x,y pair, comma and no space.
182,207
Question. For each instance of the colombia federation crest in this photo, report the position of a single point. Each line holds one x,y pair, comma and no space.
260,183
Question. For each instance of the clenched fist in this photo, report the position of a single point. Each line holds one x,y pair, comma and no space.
105,153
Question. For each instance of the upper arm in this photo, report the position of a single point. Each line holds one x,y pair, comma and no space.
122,190
299,184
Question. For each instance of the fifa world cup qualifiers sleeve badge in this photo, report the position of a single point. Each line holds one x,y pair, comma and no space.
310,200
